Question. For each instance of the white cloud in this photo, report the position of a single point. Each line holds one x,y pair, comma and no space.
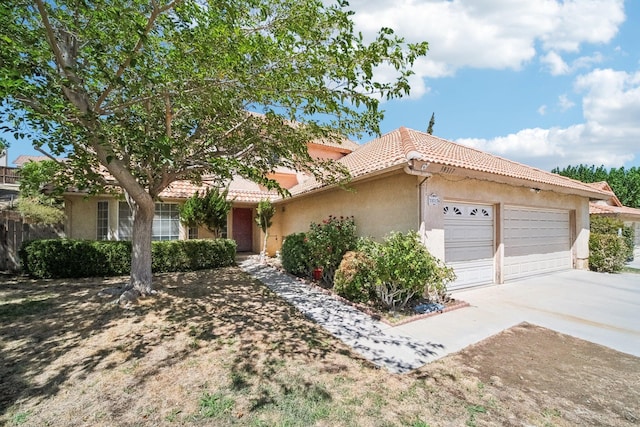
565,103
555,63
609,136
557,66
493,34
542,110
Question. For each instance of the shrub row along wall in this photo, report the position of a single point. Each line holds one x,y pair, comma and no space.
58,258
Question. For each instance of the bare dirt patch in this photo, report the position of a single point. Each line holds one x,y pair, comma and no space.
217,348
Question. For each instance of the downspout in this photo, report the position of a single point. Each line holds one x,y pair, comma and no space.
409,169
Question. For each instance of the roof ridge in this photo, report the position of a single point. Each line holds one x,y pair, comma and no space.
583,184
407,144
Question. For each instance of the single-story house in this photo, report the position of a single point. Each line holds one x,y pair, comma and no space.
613,208
491,219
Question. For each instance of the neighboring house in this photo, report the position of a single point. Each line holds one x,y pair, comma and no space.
491,219
612,207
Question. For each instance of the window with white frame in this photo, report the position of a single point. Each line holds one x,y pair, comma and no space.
125,221
166,222
102,226
193,232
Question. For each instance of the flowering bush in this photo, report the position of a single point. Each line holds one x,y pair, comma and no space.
328,242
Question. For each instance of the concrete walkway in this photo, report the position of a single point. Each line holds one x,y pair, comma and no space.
372,339
600,308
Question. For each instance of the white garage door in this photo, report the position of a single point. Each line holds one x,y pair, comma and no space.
535,242
469,243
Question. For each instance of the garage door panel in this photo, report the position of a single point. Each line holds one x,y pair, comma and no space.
469,243
536,241
456,252
471,273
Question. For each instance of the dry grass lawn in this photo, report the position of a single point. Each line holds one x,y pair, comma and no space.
218,348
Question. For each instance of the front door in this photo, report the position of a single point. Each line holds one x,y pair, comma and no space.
243,228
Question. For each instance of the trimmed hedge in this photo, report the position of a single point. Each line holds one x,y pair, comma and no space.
58,258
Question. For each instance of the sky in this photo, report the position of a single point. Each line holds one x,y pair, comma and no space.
547,83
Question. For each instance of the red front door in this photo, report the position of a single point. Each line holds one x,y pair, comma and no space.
243,228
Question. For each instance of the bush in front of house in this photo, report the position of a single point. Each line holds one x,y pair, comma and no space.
394,272
610,244
407,270
56,258
356,277
61,258
607,253
295,255
189,255
328,241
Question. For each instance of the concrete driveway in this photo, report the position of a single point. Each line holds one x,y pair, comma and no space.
601,308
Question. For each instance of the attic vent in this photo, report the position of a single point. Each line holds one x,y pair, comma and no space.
447,169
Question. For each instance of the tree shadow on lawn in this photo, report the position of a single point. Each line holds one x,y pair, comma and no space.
58,330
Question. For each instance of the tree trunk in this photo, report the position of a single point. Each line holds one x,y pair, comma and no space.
263,254
141,276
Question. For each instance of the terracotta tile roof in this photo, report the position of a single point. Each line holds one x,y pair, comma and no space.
23,158
604,185
346,145
396,148
240,190
613,206
604,209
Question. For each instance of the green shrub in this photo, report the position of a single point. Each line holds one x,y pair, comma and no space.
607,252
295,255
355,278
328,242
57,258
189,255
406,269
613,227
629,236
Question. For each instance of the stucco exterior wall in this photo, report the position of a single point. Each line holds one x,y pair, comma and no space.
379,206
82,217
499,195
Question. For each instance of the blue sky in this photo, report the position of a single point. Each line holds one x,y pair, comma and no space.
546,83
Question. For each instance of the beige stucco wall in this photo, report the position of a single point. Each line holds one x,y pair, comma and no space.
82,217
499,195
379,206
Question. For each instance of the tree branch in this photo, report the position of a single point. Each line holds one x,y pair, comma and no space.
157,11
51,37
49,155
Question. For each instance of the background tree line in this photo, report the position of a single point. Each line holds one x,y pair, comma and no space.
624,182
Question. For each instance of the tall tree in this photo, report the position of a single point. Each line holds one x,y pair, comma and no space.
432,122
624,182
154,91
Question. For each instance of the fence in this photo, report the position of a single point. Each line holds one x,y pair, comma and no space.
8,175
14,230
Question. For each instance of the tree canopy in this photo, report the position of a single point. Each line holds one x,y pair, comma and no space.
140,93
624,182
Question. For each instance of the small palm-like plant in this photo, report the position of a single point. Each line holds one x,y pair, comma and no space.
264,214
